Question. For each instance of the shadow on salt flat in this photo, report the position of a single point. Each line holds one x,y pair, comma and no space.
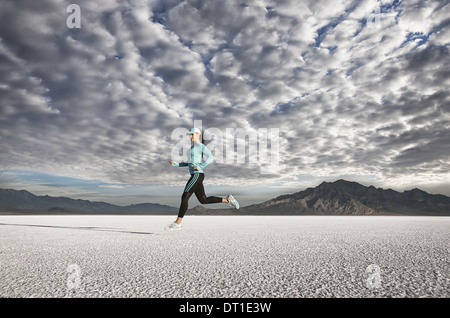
89,228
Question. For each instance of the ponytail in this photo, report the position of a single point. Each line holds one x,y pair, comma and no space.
203,142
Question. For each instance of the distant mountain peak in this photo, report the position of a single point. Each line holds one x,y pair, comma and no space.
352,198
340,183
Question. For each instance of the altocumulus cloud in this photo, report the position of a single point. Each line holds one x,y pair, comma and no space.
356,88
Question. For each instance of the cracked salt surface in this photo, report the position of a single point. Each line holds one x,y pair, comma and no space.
225,256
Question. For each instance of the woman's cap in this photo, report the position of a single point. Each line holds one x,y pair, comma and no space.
194,131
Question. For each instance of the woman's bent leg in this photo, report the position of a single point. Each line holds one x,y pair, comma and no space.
202,198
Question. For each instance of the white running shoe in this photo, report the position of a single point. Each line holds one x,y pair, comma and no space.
173,227
233,202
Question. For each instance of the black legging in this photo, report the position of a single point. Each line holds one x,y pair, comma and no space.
195,185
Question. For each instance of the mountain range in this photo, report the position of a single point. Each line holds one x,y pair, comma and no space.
345,198
329,198
24,201
351,198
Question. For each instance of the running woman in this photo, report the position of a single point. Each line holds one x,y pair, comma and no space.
195,182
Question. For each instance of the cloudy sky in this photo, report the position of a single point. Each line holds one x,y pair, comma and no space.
357,89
